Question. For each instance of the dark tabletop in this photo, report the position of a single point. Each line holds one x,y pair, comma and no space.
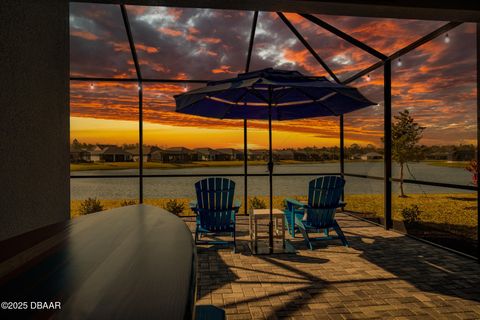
135,262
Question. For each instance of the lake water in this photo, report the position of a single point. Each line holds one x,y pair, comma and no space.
127,188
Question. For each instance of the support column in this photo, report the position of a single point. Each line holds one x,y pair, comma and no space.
478,137
342,153
140,141
387,79
245,166
270,169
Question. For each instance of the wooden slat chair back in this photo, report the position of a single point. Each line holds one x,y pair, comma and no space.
215,203
324,195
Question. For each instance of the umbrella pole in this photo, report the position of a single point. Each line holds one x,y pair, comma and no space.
270,170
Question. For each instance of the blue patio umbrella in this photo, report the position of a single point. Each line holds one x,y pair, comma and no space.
271,94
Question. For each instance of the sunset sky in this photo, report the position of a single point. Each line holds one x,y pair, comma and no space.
436,81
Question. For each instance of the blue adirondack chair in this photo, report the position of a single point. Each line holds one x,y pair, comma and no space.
318,214
215,209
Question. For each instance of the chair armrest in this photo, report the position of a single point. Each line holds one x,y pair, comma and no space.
341,204
237,204
193,206
295,202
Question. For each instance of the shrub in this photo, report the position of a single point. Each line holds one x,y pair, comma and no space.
125,203
174,206
411,214
90,205
473,168
256,203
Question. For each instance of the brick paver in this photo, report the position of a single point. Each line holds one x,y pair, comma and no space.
382,275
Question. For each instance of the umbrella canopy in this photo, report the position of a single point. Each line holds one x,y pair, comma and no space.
290,95
274,95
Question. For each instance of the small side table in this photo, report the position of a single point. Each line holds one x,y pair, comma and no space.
279,231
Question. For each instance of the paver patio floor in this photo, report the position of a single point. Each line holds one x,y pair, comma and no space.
382,275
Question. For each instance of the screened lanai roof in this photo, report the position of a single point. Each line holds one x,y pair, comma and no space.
206,44
168,40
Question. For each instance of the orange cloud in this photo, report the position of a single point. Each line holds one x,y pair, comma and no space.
171,32
223,69
84,34
193,30
211,40
145,48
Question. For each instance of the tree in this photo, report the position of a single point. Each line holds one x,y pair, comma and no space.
76,144
406,134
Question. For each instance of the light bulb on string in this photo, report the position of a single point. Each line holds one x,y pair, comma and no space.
399,62
185,88
139,87
368,77
92,86
447,38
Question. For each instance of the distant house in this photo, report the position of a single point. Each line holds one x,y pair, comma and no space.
462,155
178,155
356,156
325,155
157,156
110,154
284,154
209,154
314,155
371,156
300,155
79,155
257,154
231,154
437,156
147,153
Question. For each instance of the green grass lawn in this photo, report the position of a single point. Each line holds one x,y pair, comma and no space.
455,213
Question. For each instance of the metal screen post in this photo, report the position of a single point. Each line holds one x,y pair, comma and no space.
387,83
140,141
140,99
270,169
245,144
245,166
478,138
342,154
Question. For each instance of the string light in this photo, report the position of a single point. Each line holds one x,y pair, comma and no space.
368,77
139,87
92,86
185,89
447,38
399,62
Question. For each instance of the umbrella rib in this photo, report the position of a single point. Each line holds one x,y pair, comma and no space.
258,95
316,100
281,95
278,97
241,97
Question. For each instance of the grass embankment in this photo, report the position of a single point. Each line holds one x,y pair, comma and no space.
449,164
199,164
159,165
455,213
